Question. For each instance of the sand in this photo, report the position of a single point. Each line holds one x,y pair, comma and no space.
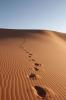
19,52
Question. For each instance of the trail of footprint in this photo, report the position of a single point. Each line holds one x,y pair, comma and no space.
33,76
31,82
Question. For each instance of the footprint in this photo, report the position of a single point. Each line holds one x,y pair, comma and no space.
27,52
38,65
33,60
30,54
36,69
44,93
39,91
32,76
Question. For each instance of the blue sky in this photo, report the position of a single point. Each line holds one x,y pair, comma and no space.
33,14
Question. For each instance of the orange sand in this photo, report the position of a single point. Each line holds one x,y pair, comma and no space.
47,48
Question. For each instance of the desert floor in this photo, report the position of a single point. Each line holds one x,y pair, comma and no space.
18,56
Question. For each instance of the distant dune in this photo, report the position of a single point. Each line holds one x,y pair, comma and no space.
32,65
5,33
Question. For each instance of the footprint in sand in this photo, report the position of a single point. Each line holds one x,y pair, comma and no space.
32,76
36,69
33,60
37,64
29,56
27,52
44,93
39,91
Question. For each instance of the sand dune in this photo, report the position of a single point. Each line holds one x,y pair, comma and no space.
42,53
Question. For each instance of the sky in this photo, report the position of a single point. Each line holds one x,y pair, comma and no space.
33,14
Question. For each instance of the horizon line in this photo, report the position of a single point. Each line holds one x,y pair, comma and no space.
33,29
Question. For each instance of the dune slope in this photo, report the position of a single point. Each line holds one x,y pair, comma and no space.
41,54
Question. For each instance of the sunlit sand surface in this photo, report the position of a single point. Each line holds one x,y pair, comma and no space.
29,59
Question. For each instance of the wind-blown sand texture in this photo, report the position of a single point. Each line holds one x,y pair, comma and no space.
20,50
